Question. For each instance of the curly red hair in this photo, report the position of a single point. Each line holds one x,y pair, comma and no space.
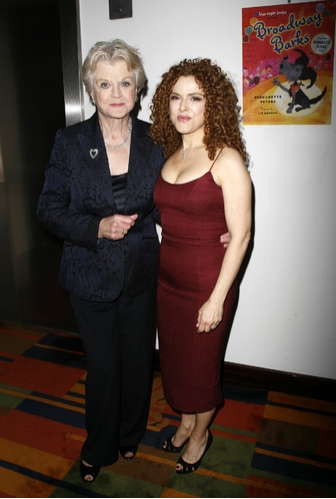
222,113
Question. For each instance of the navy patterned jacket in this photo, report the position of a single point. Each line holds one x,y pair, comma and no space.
77,194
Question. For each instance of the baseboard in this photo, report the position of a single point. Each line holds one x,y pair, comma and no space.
278,381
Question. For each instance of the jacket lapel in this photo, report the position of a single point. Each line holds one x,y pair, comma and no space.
93,148
139,159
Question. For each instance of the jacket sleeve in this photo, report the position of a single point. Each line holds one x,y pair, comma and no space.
57,211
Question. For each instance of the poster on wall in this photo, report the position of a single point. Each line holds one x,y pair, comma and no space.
288,58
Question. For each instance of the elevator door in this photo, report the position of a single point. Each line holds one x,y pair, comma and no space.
31,111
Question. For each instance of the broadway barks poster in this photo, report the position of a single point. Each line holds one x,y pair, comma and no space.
288,58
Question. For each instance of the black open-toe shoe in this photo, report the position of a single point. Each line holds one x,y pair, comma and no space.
89,471
191,467
128,448
168,445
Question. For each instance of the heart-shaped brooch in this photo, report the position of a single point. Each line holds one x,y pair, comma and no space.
93,153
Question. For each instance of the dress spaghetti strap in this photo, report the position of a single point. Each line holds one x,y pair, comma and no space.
216,159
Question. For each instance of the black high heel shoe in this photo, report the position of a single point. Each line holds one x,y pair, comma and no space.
89,471
128,448
170,447
191,467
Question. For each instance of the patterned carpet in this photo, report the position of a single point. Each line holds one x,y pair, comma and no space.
266,444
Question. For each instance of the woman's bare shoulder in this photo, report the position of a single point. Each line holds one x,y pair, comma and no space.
229,164
229,159
229,154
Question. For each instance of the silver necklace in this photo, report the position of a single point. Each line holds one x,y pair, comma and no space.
125,139
184,153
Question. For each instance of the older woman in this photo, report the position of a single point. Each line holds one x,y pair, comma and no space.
98,197
204,190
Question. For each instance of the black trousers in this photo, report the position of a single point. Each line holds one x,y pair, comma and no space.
119,341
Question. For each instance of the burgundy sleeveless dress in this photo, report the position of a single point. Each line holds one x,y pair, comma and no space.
191,255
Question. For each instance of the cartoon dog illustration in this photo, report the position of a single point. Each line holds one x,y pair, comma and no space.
295,73
299,98
298,70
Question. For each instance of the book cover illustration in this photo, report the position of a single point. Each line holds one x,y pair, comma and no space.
288,58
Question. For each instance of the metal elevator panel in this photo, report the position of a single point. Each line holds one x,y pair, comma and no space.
71,61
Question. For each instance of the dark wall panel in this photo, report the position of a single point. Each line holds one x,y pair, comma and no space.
32,109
